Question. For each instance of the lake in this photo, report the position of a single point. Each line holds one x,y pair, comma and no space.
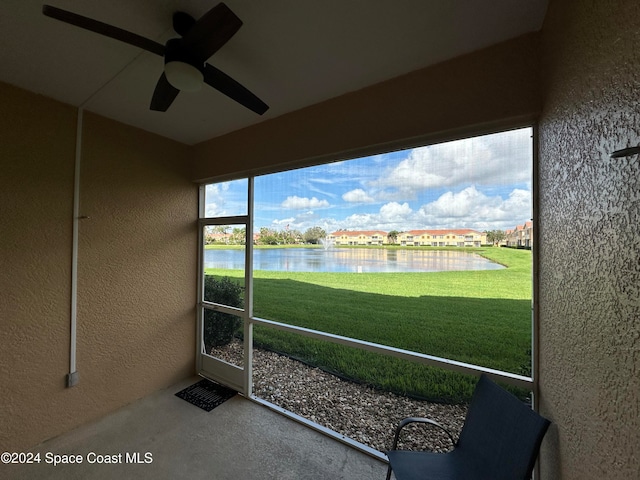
355,260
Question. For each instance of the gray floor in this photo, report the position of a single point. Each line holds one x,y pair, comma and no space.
237,440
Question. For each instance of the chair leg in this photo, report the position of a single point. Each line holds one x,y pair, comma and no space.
389,472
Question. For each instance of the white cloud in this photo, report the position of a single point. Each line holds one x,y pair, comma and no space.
457,204
467,208
327,181
214,196
390,216
307,220
360,221
357,196
303,203
315,184
226,198
283,222
470,208
394,211
499,159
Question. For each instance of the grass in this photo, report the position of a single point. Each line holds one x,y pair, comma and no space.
478,317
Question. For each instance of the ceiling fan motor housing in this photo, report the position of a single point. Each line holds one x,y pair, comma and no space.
182,23
183,71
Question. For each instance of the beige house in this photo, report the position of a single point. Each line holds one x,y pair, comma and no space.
577,80
359,237
442,238
520,236
417,238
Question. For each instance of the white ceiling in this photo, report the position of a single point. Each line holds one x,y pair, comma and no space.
290,53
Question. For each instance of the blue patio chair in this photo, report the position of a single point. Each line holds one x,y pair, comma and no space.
500,440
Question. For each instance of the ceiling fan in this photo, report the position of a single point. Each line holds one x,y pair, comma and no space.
185,67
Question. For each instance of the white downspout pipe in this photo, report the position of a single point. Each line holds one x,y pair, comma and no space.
72,377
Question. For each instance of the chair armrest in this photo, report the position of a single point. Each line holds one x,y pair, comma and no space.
428,421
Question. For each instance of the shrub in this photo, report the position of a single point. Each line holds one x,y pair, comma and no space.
219,328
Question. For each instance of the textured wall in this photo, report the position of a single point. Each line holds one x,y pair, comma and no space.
137,267
590,240
36,185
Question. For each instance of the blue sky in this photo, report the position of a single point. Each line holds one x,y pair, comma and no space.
482,183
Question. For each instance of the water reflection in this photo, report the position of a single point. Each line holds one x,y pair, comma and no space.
358,260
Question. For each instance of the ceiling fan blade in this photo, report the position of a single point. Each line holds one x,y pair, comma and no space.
211,31
163,95
232,89
103,29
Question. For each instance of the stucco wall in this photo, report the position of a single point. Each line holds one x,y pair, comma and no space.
489,88
137,267
589,228
36,182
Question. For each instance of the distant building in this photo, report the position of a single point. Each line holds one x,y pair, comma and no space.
443,238
521,236
211,237
359,237
429,238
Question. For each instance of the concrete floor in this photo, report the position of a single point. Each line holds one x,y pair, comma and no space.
237,440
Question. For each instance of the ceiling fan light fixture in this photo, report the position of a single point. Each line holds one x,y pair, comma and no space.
183,76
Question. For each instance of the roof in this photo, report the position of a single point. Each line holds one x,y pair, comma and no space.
455,231
357,233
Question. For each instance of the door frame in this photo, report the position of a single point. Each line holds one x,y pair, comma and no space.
213,368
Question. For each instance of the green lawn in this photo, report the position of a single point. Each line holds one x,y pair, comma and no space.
479,317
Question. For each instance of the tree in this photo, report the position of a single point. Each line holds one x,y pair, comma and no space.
393,236
494,237
268,236
219,228
239,236
314,235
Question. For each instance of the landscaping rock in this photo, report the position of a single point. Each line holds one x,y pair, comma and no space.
359,412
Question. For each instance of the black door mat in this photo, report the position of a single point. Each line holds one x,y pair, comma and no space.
206,394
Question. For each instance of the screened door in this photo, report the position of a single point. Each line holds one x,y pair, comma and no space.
224,290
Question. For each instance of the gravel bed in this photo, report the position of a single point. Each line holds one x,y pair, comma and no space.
357,411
